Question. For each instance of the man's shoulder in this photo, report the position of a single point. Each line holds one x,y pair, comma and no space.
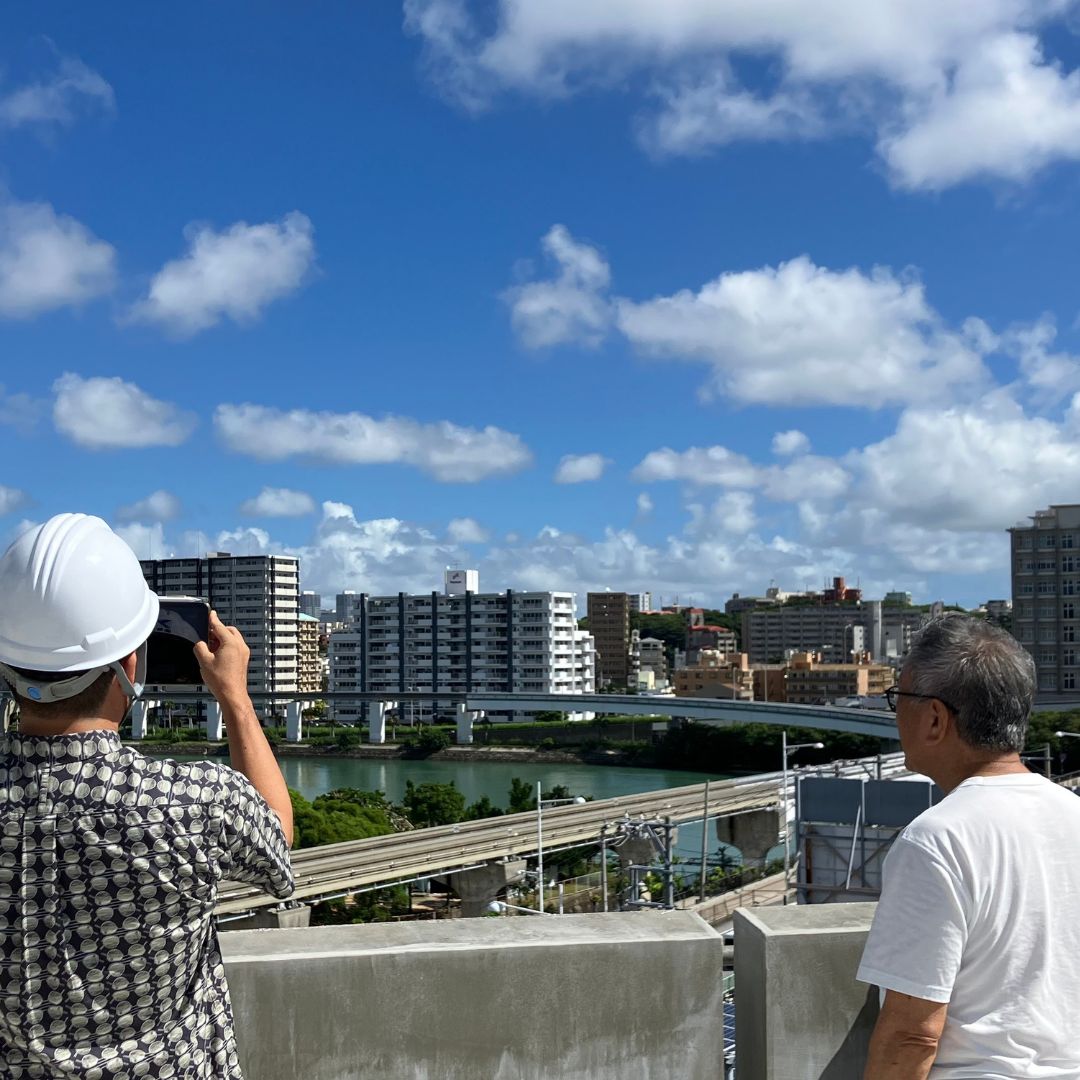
198,780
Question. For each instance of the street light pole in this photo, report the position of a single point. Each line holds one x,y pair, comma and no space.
539,847
787,751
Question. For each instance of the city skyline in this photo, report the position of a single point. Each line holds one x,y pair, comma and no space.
687,304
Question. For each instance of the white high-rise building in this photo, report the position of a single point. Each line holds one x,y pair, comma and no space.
459,642
257,594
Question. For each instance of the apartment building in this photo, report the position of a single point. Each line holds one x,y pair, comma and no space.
809,681
459,641
256,593
1046,596
609,624
310,603
715,675
836,631
309,663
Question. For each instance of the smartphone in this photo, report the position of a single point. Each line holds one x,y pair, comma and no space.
170,652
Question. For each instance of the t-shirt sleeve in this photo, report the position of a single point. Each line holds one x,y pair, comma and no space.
920,928
253,845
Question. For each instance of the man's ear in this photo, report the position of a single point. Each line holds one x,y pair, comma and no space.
939,723
130,663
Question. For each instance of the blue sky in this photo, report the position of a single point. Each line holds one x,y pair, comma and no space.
586,294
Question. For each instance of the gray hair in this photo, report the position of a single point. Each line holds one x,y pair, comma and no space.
979,671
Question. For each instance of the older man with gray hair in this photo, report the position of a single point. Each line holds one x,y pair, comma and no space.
976,941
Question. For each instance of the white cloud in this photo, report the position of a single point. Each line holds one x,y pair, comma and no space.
732,512
466,531
697,116
20,411
569,308
952,91
108,413
644,504
580,468
279,502
58,98
158,506
246,541
147,541
805,335
698,465
11,499
444,450
232,274
49,260
1050,375
1005,113
786,443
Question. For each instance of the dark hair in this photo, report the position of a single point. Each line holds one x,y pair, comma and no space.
86,702
981,671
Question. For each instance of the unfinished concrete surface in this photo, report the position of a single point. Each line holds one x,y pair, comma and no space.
622,996
799,1013
755,833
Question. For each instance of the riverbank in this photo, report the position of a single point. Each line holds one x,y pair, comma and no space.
394,752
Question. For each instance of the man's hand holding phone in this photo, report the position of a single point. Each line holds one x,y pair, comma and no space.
224,663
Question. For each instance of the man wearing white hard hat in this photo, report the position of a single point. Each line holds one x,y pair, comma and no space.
110,861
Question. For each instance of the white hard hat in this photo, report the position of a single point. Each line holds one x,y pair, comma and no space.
72,599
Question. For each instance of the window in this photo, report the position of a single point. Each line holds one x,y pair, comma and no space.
1046,564
1068,587
1068,680
1067,564
1068,610
1066,540
1046,657
1046,611
1068,657
1027,589
1046,588
1046,633
1046,542
1047,680
1068,633
1027,634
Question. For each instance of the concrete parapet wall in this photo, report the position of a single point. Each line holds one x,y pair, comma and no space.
633,996
799,1013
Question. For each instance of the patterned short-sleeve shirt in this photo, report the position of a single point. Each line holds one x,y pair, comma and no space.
109,871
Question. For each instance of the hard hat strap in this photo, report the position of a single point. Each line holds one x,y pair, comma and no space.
48,692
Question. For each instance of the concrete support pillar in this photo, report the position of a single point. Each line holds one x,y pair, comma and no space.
465,721
482,884
294,721
215,728
753,833
139,712
377,721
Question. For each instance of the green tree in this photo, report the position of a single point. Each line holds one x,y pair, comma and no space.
522,796
429,740
482,808
338,816
433,804
349,738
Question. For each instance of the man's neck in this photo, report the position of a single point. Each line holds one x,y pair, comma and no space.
978,765
38,725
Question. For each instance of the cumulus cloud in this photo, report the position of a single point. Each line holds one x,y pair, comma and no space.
233,274
580,468
444,450
571,307
644,504
109,413
466,531
948,92
698,465
1006,113
49,260
158,506
278,502
802,334
58,98
786,443
19,410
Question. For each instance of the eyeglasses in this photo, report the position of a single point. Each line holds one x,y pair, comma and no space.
895,692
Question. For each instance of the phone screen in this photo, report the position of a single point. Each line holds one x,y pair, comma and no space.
170,656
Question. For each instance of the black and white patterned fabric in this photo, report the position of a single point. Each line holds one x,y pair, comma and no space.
109,870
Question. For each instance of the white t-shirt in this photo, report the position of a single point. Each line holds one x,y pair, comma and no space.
980,907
